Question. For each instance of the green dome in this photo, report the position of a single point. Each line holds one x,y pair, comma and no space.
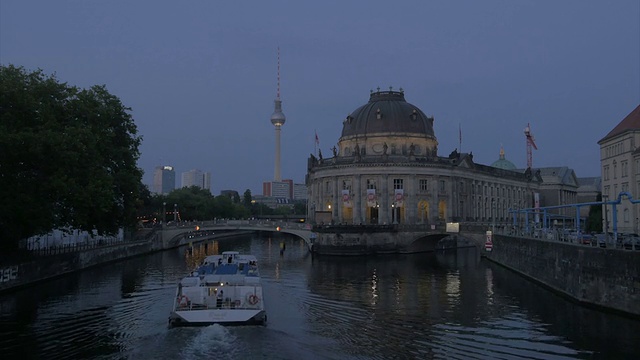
503,163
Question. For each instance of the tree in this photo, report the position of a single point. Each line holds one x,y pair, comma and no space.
247,199
594,220
300,208
67,157
193,203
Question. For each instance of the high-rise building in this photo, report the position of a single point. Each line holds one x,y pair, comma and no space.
279,189
197,178
207,180
164,179
278,119
300,192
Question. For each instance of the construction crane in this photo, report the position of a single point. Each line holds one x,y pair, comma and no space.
530,144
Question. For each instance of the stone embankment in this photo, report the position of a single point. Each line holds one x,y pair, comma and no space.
19,274
601,277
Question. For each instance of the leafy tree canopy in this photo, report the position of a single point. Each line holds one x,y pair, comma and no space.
67,157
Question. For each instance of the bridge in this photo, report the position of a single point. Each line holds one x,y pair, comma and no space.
398,238
185,232
406,238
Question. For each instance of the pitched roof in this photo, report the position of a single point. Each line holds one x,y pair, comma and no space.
589,184
630,122
559,175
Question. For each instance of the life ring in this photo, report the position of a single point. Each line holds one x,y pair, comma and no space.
253,299
183,300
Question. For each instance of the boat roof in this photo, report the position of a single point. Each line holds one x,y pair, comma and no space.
229,264
237,258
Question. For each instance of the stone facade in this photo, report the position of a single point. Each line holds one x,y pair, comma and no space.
386,171
620,160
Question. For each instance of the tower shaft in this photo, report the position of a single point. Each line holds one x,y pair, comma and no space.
277,176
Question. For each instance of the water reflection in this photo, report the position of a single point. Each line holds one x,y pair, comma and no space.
434,305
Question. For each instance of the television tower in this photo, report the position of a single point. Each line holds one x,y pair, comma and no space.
278,119
530,144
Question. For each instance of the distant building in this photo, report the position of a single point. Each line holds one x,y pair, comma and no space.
300,192
164,180
197,178
589,188
560,187
620,161
279,189
207,180
503,163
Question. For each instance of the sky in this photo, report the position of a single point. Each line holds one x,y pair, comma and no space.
201,76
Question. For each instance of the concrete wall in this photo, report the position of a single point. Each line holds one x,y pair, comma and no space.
47,267
352,241
42,268
607,278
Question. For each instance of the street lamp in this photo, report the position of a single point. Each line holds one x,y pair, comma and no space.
606,221
164,213
175,212
394,219
493,216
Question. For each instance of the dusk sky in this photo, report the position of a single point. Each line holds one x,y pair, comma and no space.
200,76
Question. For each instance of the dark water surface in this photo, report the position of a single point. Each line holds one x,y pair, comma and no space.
422,306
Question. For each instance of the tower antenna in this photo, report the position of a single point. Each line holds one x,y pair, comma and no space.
278,93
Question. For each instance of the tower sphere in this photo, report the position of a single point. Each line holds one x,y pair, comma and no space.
278,118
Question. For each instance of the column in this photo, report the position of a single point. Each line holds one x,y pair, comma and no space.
336,202
384,211
357,200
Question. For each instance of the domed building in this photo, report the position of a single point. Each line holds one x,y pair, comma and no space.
386,170
503,163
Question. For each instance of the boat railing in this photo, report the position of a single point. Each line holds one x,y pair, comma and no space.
226,304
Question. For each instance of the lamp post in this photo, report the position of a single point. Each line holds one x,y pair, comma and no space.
606,221
175,212
394,217
253,207
493,216
164,213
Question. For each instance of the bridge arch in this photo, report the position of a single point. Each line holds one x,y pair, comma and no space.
425,243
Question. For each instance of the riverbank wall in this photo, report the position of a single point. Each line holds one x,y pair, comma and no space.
41,268
593,276
362,240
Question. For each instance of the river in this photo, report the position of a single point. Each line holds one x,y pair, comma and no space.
449,305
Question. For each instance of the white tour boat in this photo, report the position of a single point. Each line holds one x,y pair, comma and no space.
225,289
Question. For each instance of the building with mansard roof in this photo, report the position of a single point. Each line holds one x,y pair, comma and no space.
386,169
620,164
